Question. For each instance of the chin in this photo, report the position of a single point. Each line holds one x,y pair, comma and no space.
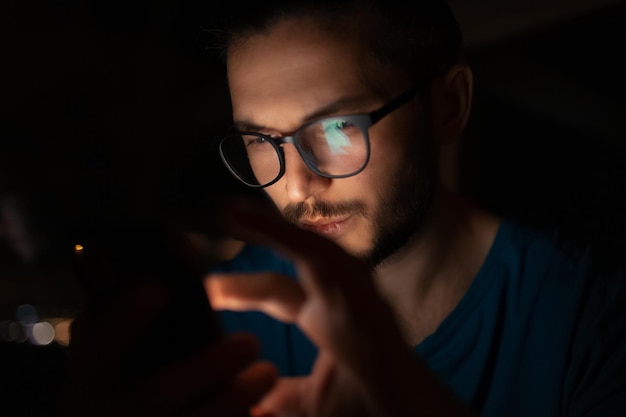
353,245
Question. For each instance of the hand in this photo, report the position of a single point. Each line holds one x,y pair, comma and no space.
222,380
364,367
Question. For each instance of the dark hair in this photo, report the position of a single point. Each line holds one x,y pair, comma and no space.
420,36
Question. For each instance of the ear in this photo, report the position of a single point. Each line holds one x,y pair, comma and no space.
451,100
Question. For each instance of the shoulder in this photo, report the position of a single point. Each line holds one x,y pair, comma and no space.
548,259
531,247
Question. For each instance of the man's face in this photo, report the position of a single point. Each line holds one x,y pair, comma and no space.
297,73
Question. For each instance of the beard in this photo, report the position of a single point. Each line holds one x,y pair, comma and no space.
401,215
402,210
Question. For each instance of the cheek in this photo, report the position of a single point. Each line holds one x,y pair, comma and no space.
386,162
275,195
279,199
401,150
391,140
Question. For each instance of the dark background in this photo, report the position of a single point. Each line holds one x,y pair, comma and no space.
110,106
547,141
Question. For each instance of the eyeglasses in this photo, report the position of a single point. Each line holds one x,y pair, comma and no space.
333,147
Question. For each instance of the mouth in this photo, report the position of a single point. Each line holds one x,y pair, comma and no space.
330,228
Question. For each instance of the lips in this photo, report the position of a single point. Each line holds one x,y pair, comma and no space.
330,228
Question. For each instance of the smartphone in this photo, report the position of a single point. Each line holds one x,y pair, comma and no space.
112,254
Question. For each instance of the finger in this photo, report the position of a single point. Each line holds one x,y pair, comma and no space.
191,381
285,398
275,294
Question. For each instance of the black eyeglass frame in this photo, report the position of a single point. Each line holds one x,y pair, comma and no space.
362,121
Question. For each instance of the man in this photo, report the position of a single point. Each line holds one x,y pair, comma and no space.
342,111
385,293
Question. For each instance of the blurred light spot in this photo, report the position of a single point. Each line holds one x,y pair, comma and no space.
5,327
41,333
78,248
14,332
62,331
26,314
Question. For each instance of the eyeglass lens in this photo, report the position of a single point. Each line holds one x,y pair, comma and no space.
332,147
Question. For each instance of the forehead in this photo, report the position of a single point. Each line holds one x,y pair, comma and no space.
294,68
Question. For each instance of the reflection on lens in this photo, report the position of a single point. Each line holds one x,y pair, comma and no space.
335,138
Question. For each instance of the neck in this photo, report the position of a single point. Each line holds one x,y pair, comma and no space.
426,279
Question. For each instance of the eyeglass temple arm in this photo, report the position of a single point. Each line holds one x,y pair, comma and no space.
403,98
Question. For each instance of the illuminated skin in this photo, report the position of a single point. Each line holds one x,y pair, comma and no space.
432,248
306,75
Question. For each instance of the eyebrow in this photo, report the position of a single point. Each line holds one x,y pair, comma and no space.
343,106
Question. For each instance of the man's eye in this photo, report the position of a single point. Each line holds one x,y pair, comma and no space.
336,125
255,140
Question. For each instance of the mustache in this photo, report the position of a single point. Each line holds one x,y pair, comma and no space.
294,212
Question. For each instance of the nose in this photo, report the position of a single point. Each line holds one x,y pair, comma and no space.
300,182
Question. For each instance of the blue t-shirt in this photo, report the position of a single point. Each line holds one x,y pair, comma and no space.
540,332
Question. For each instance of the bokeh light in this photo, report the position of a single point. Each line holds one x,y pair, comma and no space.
26,314
12,331
27,327
41,333
62,330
